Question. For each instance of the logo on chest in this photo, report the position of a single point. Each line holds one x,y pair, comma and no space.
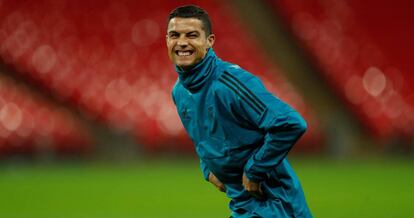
185,114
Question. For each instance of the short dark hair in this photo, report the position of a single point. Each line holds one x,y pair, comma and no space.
193,11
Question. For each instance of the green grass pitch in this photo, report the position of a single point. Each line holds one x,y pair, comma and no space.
170,189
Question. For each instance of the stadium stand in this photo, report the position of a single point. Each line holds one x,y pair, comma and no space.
29,124
108,58
370,70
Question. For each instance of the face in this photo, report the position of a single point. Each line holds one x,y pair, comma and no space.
187,42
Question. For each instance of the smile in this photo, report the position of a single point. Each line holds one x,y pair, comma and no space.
184,53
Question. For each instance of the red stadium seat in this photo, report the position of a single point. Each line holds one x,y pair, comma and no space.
365,56
29,124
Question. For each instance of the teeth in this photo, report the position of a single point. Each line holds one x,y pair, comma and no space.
184,53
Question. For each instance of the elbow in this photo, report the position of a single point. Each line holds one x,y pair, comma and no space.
300,124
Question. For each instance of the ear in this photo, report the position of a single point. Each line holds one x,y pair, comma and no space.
210,40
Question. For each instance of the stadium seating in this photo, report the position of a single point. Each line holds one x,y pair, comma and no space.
29,124
369,69
109,59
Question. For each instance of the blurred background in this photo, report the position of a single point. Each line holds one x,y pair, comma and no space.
88,127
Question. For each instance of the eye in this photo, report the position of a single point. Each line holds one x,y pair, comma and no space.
192,35
173,35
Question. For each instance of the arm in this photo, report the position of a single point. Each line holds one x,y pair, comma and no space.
280,136
281,133
281,125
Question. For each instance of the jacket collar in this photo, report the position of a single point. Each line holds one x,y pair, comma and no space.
195,78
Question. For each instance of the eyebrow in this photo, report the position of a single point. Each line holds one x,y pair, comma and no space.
195,31
191,32
172,31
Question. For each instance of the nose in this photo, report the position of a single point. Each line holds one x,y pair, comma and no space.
182,42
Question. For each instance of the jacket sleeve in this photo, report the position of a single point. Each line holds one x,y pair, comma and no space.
205,170
281,125
281,133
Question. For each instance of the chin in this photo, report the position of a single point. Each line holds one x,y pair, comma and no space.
185,65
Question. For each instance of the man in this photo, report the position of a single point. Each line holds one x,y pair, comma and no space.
241,132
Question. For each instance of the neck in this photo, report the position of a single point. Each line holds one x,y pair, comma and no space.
194,78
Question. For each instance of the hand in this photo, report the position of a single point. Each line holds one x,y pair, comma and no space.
216,182
253,188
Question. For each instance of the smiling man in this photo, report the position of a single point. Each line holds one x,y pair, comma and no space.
241,132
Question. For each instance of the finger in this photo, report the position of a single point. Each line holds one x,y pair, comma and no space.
257,192
221,188
252,187
219,185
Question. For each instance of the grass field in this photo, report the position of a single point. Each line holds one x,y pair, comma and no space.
175,189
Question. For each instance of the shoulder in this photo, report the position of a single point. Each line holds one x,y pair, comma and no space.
236,71
233,78
234,84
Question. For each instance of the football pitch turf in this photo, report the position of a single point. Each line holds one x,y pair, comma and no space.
175,189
